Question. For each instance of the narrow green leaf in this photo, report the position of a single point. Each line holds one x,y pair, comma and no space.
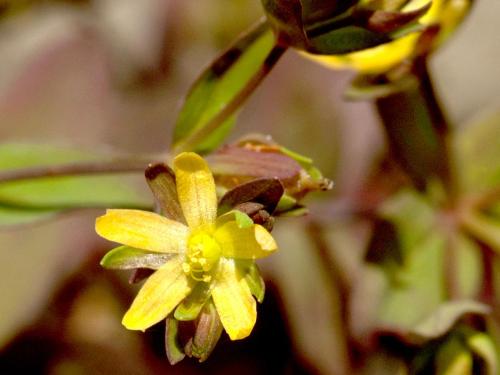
125,257
13,216
207,114
31,199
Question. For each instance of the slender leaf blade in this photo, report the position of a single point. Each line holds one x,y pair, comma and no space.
208,111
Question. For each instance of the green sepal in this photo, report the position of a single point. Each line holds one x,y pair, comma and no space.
191,306
126,257
253,278
286,203
242,219
173,349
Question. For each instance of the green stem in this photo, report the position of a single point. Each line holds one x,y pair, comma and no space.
72,169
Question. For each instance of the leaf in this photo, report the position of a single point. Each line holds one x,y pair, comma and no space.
126,257
32,199
420,277
13,216
476,151
208,111
420,286
345,40
447,315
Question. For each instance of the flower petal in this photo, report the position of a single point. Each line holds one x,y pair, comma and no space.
196,189
160,294
143,230
234,302
244,243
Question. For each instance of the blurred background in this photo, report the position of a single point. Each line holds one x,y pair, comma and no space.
111,75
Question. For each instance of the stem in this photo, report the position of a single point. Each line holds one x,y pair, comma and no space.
197,136
485,199
316,234
417,131
488,287
451,278
72,169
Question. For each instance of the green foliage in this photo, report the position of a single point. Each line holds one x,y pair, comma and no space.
31,199
207,115
445,317
476,150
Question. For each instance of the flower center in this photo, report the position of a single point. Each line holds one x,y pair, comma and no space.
203,252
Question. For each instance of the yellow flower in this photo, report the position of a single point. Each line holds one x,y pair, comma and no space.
206,254
446,13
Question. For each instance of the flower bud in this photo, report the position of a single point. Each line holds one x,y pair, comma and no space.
338,27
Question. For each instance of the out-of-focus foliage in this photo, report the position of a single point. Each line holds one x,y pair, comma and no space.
381,278
28,199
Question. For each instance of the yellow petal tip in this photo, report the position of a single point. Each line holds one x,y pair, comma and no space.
239,334
265,239
189,161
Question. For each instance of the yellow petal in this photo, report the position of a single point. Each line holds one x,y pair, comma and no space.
233,301
143,230
196,189
381,58
372,60
244,243
161,293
